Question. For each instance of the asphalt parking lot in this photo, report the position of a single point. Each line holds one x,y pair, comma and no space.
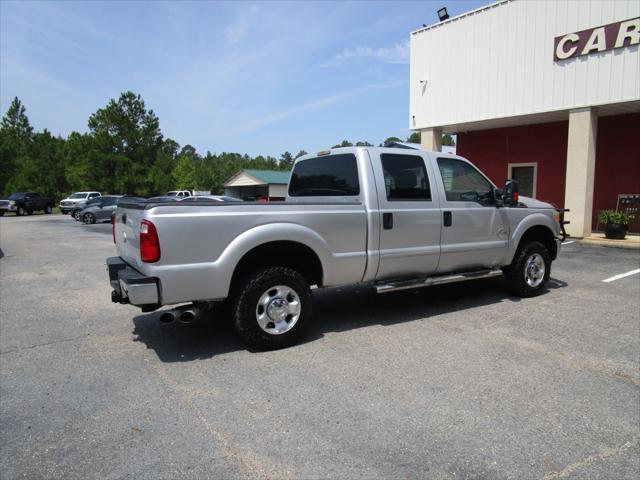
459,381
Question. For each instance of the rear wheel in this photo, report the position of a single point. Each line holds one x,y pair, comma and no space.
529,271
76,215
89,218
273,308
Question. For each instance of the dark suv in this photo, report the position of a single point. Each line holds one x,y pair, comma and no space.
25,203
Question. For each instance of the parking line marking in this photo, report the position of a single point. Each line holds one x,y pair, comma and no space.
569,242
622,275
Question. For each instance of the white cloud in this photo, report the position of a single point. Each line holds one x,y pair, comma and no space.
399,53
316,104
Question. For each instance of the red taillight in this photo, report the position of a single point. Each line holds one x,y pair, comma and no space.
516,197
113,226
149,243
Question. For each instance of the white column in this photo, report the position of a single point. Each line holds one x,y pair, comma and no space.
581,163
431,139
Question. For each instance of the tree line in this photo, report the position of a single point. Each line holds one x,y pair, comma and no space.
123,152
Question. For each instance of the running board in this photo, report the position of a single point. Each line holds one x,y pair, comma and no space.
437,280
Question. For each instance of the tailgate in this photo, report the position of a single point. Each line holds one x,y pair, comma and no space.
129,214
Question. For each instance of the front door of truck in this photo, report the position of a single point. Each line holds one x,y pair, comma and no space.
409,215
475,232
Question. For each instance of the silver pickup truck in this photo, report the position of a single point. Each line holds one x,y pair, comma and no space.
394,218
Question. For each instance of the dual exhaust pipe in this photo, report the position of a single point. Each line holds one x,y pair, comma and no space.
187,314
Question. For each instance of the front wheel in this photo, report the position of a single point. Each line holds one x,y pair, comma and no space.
48,209
88,218
273,308
76,215
529,271
21,211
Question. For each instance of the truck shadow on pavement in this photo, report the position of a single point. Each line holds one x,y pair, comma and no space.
336,310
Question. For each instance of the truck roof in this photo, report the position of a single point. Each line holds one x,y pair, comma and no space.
354,149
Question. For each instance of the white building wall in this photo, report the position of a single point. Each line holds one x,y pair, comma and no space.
498,62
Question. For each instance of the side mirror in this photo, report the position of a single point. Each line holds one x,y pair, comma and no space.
510,193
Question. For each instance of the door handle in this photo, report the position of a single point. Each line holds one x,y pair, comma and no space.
387,221
447,220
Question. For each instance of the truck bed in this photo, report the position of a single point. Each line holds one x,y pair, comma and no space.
202,242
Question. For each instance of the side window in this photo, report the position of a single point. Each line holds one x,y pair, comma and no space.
93,195
109,201
463,183
405,177
335,175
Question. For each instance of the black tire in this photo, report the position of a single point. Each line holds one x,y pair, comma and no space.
516,273
89,218
21,211
29,212
245,308
48,210
1,213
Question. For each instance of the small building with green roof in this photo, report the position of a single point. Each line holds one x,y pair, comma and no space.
256,185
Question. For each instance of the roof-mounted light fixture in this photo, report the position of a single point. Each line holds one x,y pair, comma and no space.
442,14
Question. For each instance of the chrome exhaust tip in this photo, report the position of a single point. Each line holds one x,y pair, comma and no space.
190,315
168,316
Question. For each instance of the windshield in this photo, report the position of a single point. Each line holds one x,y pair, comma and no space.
78,195
16,196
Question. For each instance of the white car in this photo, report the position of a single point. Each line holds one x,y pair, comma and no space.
67,204
210,198
178,193
186,193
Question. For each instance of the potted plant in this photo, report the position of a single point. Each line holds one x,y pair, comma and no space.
616,224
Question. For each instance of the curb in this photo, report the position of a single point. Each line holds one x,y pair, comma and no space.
625,244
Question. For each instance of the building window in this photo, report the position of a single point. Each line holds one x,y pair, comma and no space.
526,174
405,177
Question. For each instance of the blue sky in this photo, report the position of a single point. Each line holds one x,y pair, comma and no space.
249,77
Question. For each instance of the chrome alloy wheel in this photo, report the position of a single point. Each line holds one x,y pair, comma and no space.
534,270
278,309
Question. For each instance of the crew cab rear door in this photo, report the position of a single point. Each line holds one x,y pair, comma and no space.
475,231
409,214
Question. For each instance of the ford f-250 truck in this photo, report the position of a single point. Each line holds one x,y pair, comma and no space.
394,218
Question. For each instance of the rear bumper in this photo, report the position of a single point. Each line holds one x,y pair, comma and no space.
132,287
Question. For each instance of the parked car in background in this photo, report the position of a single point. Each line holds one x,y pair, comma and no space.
100,211
67,204
25,203
178,193
215,198
75,211
186,193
